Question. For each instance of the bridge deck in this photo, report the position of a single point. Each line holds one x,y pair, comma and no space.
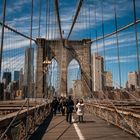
93,128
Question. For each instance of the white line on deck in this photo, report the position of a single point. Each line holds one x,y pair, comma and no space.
81,137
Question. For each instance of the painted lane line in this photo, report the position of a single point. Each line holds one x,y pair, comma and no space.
78,131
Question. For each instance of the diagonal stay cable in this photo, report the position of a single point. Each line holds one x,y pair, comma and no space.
75,18
15,31
58,20
12,121
114,32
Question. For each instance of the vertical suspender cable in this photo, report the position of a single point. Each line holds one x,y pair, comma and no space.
117,43
103,35
29,72
30,63
40,7
96,55
90,50
2,34
136,36
96,28
45,53
89,22
49,4
103,43
46,19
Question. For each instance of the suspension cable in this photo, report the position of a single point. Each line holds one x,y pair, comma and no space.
59,21
2,35
39,19
117,111
75,17
95,27
103,35
117,43
137,44
29,81
113,33
14,30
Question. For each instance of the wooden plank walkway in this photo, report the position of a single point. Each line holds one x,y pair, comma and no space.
93,128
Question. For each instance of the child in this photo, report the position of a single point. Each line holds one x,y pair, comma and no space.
80,110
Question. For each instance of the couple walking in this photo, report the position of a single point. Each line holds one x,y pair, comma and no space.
70,107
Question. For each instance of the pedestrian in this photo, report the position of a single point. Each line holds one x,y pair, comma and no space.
76,102
80,110
54,105
62,105
69,109
59,99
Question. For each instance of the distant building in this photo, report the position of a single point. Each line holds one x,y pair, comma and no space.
1,91
126,85
133,80
7,76
70,91
108,83
28,66
21,77
29,71
16,75
77,89
97,72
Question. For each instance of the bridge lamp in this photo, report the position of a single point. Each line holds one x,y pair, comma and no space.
46,62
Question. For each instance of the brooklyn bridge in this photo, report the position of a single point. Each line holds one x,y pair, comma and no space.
56,49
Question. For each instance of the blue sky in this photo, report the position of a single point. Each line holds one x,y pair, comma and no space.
18,17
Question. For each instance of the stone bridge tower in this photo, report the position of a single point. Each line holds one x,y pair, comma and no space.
74,49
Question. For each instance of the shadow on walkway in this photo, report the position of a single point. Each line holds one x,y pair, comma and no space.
38,134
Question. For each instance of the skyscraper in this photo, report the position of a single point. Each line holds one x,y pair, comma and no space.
107,79
16,75
7,76
21,79
97,72
133,79
77,89
29,70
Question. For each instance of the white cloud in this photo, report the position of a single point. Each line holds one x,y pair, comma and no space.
125,39
17,44
13,63
123,59
16,6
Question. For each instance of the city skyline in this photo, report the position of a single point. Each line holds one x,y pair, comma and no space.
20,20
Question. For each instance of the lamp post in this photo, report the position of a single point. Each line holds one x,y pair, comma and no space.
46,62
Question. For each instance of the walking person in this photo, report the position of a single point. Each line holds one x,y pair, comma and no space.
80,110
76,102
55,104
62,105
69,109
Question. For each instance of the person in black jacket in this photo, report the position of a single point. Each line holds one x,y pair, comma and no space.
69,109
55,104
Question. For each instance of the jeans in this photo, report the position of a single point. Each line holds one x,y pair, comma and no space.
80,117
69,117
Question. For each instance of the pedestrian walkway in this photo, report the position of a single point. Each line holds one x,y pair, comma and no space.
93,128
